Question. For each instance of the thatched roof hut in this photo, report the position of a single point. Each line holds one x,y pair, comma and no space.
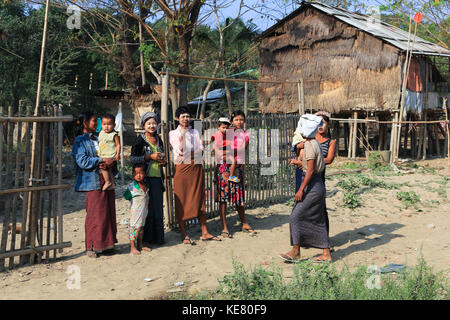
348,61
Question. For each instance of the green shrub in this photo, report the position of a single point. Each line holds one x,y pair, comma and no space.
408,198
325,282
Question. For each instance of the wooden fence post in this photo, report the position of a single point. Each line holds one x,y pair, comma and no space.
122,180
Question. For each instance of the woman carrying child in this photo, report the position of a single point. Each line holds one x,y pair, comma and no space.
100,225
138,194
148,149
229,182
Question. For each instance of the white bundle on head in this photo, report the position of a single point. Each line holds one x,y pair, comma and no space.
307,125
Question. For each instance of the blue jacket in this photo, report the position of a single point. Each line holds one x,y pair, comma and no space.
86,163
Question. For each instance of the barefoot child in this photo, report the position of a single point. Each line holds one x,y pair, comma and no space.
109,147
137,193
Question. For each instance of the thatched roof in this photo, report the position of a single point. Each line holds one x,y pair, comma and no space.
343,67
371,25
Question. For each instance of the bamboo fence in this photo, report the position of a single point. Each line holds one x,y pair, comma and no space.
31,220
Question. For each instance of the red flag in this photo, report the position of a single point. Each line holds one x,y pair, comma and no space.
418,17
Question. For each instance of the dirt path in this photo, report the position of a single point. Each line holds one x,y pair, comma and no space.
379,232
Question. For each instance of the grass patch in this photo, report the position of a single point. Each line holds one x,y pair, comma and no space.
408,198
325,282
352,188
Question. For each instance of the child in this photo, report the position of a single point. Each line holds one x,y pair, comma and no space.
220,146
137,193
241,139
109,147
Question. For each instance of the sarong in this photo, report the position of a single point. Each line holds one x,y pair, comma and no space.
100,224
189,191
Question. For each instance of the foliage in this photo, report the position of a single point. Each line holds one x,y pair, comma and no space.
408,198
325,282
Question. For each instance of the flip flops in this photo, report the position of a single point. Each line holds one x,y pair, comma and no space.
320,261
249,230
226,234
289,259
212,238
234,179
189,241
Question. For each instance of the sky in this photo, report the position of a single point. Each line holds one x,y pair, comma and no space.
264,14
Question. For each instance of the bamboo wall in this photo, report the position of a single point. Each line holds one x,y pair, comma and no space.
30,185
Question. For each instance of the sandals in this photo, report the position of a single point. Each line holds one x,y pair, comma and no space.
234,179
320,260
249,230
288,258
188,240
91,254
226,234
211,238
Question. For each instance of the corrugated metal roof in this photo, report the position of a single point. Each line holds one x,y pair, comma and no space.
379,29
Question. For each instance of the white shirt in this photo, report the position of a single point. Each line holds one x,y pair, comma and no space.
191,143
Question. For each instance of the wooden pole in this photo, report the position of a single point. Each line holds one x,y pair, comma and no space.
355,132
165,98
122,180
26,175
60,206
106,80
41,63
448,133
16,184
350,139
425,108
141,56
165,127
405,80
245,98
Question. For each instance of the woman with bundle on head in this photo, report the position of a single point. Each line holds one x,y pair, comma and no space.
100,225
308,225
148,149
189,176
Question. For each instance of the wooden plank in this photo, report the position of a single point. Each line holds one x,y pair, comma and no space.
37,188
35,250
36,119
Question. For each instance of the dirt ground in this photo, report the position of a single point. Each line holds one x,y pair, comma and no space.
380,232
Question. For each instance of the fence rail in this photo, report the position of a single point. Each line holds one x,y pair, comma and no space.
31,191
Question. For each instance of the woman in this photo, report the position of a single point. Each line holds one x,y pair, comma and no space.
307,224
148,149
328,149
189,177
100,225
231,191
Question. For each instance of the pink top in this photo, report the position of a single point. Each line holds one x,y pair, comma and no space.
240,138
191,142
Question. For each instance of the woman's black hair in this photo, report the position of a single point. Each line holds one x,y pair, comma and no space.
181,110
85,116
237,113
326,118
137,165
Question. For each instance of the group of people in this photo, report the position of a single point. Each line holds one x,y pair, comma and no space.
96,156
